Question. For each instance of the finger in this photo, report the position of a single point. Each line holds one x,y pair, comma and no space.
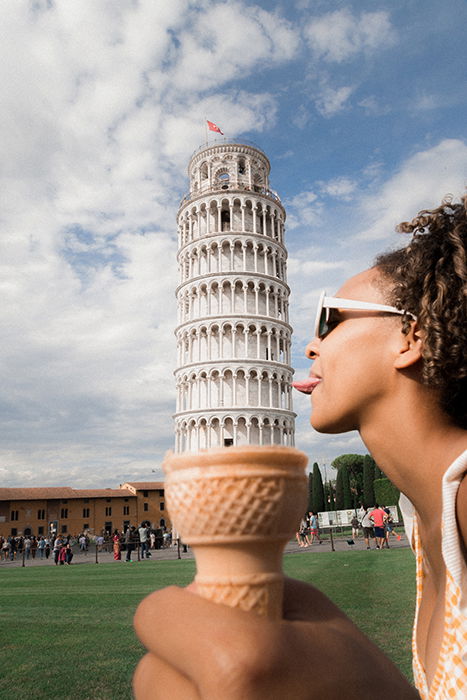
219,636
156,680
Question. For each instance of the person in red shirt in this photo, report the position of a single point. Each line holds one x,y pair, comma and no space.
378,517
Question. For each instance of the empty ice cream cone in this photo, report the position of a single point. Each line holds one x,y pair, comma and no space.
237,507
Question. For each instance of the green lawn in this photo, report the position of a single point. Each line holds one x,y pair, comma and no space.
66,631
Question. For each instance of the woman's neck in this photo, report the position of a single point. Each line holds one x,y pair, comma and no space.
414,449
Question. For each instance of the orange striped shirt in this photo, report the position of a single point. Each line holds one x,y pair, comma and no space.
450,678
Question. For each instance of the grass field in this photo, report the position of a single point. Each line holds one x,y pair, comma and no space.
66,632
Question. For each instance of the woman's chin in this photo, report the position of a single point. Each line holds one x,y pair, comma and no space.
328,425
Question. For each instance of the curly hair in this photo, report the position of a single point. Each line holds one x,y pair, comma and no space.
429,280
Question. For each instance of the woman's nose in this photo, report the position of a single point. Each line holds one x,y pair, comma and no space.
312,349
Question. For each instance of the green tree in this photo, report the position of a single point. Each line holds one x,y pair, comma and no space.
310,491
378,473
354,466
340,488
347,495
386,493
332,500
368,479
317,490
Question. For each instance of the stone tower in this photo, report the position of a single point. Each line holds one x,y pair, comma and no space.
233,373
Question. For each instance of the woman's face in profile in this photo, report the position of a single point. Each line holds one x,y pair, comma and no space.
354,360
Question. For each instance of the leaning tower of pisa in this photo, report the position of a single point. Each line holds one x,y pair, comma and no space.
233,373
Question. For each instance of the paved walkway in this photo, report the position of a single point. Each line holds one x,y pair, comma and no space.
171,553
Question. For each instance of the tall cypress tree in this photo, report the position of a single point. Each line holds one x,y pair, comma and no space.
347,495
310,491
332,502
317,490
379,474
368,478
340,489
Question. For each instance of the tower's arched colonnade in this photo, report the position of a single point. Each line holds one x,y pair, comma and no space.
233,373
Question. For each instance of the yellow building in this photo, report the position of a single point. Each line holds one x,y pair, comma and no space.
64,510
150,502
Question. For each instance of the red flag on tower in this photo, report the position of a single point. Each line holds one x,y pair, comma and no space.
214,127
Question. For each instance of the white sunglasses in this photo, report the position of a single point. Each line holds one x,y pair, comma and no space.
325,303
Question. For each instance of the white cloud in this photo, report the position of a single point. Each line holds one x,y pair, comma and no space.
228,39
420,183
339,36
372,107
330,100
301,117
302,210
340,187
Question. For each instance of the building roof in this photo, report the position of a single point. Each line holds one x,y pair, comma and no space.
59,492
144,485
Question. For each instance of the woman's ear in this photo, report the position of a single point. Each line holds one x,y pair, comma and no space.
410,347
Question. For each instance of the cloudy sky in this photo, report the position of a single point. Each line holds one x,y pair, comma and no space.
360,107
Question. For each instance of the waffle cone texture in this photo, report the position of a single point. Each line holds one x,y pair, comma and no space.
237,507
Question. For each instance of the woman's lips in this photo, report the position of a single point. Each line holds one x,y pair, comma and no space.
307,385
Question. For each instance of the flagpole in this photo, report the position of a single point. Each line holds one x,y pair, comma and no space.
206,128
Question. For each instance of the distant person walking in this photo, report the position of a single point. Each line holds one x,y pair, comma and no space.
143,532
130,541
314,527
368,530
302,534
62,554
41,547
58,543
389,527
117,546
378,518
355,527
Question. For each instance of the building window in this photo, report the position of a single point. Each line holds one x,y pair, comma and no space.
86,526
162,522
14,531
41,514
145,494
64,529
86,500
108,510
225,217
108,500
14,515
40,530
126,500
162,505
146,506
64,513
126,510
161,492
86,512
